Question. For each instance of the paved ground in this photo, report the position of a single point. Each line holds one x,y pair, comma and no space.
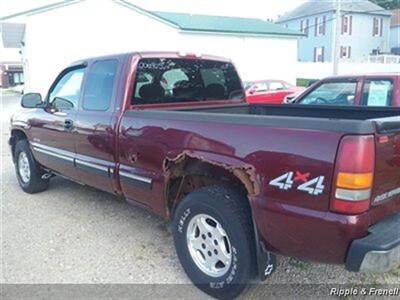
76,234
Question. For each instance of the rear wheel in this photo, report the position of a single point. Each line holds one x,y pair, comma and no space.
29,173
214,240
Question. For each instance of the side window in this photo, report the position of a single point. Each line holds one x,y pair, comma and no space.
65,94
276,86
332,93
99,85
261,87
377,92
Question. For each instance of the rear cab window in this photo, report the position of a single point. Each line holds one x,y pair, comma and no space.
175,80
377,92
332,93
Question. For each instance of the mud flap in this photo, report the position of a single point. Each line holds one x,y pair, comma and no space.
266,260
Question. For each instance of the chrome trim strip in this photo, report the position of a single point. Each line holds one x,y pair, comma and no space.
136,177
63,154
34,144
53,154
91,165
54,150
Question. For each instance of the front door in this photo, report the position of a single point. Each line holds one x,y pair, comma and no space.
54,143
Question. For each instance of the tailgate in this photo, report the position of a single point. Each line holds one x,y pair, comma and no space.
386,189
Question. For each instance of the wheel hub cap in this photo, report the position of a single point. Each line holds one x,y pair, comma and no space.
23,167
209,245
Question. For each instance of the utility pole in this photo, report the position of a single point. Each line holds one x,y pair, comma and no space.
336,44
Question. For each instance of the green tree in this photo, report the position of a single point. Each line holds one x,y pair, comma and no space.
387,4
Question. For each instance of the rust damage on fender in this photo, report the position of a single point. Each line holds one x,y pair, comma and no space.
245,173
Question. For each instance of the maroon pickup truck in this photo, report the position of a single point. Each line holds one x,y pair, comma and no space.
241,182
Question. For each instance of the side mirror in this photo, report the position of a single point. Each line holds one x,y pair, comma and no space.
31,100
252,91
61,103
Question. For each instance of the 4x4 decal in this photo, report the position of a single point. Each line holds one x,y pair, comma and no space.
287,181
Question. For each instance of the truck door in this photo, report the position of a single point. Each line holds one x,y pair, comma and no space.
95,146
54,143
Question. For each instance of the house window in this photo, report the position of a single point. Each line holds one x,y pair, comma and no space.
378,27
304,25
345,52
320,26
319,54
347,24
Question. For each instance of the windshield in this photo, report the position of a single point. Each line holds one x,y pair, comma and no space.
332,93
166,80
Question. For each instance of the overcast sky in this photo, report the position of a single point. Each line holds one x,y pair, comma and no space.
248,8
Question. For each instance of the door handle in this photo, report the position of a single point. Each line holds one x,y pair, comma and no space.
68,124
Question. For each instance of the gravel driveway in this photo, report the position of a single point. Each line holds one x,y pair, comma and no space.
77,234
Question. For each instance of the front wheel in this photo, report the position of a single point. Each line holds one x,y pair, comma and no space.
214,240
29,173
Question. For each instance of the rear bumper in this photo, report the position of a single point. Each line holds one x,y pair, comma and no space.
379,251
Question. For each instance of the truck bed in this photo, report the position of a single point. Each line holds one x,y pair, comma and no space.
360,120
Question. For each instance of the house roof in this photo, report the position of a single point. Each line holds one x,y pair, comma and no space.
38,9
314,7
395,20
220,24
190,22
12,34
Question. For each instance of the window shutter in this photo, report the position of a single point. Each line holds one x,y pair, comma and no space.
323,54
315,54
373,27
301,25
316,26
343,24
307,26
351,25
381,28
349,54
324,25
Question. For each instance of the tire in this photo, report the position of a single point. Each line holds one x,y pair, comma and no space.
24,161
231,211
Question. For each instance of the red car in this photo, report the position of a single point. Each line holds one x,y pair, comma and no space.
382,90
269,91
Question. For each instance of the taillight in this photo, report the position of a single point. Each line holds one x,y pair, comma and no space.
354,174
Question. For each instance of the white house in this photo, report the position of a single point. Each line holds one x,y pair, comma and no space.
67,31
395,31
